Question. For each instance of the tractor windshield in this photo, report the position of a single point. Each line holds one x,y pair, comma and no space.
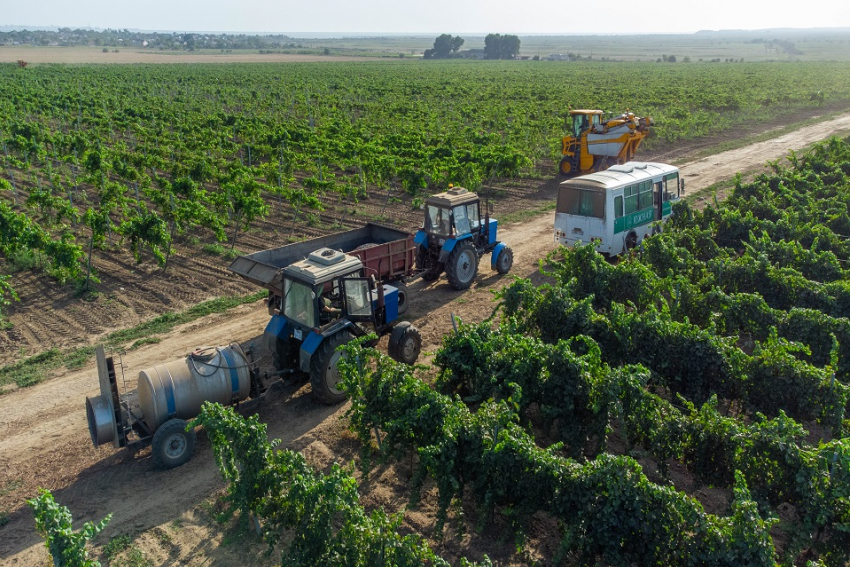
438,220
579,124
299,303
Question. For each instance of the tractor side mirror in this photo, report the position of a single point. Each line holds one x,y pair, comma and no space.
681,186
489,207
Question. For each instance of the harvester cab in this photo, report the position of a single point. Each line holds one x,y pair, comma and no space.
454,236
328,299
596,144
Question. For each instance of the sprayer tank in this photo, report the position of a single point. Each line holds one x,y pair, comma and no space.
177,389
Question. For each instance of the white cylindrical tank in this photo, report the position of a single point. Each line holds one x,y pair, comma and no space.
177,389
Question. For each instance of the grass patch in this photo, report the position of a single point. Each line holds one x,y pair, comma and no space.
145,341
4,518
219,250
168,321
133,557
34,369
116,545
526,214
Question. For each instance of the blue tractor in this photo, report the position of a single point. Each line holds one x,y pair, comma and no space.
454,236
320,303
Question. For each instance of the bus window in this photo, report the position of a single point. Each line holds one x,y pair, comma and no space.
645,198
581,202
631,194
618,207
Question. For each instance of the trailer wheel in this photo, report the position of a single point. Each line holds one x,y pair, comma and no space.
324,372
405,343
402,298
422,263
172,445
505,260
463,265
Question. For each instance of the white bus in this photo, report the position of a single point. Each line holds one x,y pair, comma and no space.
616,207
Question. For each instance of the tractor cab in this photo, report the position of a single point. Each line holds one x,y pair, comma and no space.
584,120
453,214
328,286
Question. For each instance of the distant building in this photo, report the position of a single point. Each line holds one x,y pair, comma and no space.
558,57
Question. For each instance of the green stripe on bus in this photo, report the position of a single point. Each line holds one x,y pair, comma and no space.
632,220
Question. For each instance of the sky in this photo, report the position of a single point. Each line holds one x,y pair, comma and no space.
429,16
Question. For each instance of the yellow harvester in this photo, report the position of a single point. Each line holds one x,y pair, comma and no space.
597,144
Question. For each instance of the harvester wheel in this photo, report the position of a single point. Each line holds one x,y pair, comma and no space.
172,445
324,369
422,262
566,165
402,297
505,260
462,266
405,343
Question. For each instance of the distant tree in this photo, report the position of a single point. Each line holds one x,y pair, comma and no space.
444,46
687,59
671,59
497,46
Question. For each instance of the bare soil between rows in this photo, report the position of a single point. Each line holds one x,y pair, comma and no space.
44,439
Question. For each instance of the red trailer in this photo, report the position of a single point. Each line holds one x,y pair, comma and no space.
387,253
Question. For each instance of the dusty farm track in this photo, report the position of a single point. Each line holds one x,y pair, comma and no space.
43,433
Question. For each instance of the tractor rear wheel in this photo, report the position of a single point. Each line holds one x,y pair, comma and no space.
172,445
505,260
463,265
324,369
405,343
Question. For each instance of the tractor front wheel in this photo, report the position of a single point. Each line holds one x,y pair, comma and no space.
505,260
324,369
463,265
402,297
566,166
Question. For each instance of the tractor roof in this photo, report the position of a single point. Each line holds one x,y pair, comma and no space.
574,112
452,197
322,265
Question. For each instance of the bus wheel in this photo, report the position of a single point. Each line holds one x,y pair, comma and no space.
631,241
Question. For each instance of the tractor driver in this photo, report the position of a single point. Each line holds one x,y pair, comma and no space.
330,309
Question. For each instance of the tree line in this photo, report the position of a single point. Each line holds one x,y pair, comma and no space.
496,46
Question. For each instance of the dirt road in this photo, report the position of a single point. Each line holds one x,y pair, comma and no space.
44,438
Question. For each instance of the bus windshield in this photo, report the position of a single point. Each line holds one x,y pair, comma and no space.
581,201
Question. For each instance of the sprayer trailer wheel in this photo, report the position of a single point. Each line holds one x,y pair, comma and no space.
172,445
